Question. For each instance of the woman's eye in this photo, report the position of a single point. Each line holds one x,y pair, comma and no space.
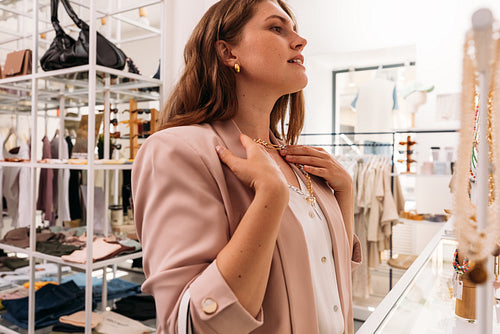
277,29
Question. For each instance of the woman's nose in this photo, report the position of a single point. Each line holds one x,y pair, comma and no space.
299,43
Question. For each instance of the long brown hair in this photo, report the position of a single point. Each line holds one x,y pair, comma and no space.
205,91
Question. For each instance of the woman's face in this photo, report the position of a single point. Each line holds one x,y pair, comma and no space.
269,51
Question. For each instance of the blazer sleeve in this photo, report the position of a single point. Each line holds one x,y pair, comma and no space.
182,225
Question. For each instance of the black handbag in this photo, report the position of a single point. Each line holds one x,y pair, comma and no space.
67,52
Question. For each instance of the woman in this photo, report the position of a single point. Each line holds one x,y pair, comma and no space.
224,214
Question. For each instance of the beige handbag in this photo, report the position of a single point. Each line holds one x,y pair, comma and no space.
17,63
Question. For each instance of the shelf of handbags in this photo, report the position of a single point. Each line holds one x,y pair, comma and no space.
73,84
65,62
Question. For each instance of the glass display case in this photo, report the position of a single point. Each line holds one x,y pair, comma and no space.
422,301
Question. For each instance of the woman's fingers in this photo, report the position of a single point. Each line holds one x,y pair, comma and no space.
306,160
317,161
257,169
304,150
227,157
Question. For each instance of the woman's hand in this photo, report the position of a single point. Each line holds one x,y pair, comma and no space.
258,170
317,161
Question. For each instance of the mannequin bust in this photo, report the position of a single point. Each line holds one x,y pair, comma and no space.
374,104
414,101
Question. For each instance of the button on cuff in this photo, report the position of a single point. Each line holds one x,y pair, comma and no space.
209,306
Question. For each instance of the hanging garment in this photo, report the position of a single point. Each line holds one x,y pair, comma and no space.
70,145
45,185
75,198
126,191
360,276
17,187
1,186
390,215
60,186
75,180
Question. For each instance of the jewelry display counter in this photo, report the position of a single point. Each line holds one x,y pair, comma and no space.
422,300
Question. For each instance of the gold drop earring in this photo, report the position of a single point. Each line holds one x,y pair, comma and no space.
237,68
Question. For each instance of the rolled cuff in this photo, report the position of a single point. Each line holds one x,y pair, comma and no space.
357,256
214,305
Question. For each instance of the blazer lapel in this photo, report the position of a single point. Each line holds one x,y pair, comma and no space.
295,262
229,133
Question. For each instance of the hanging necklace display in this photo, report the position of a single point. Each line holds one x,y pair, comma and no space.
496,268
476,245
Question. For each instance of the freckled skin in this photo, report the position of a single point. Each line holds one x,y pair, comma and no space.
267,64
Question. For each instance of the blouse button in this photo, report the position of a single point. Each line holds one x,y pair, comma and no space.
335,308
209,306
311,214
323,259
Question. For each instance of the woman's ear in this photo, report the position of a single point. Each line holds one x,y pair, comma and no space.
225,53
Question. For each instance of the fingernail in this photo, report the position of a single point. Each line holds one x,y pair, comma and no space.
219,149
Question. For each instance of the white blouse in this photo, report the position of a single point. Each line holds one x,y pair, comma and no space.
319,247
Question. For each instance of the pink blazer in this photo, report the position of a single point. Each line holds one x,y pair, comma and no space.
188,204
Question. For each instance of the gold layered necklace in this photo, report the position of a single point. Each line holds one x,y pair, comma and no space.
310,198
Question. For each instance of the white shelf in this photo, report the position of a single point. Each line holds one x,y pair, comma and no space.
412,221
126,166
73,83
14,249
421,175
95,265
57,259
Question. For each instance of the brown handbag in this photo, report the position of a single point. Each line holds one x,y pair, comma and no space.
17,63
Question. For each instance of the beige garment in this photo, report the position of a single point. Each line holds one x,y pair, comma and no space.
100,250
114,323
78,319
360,276
398,195
373,254
376,197
390,215
390,211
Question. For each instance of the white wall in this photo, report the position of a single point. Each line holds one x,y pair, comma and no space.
339,30
344,34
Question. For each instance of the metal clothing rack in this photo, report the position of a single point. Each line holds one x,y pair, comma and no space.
392,145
